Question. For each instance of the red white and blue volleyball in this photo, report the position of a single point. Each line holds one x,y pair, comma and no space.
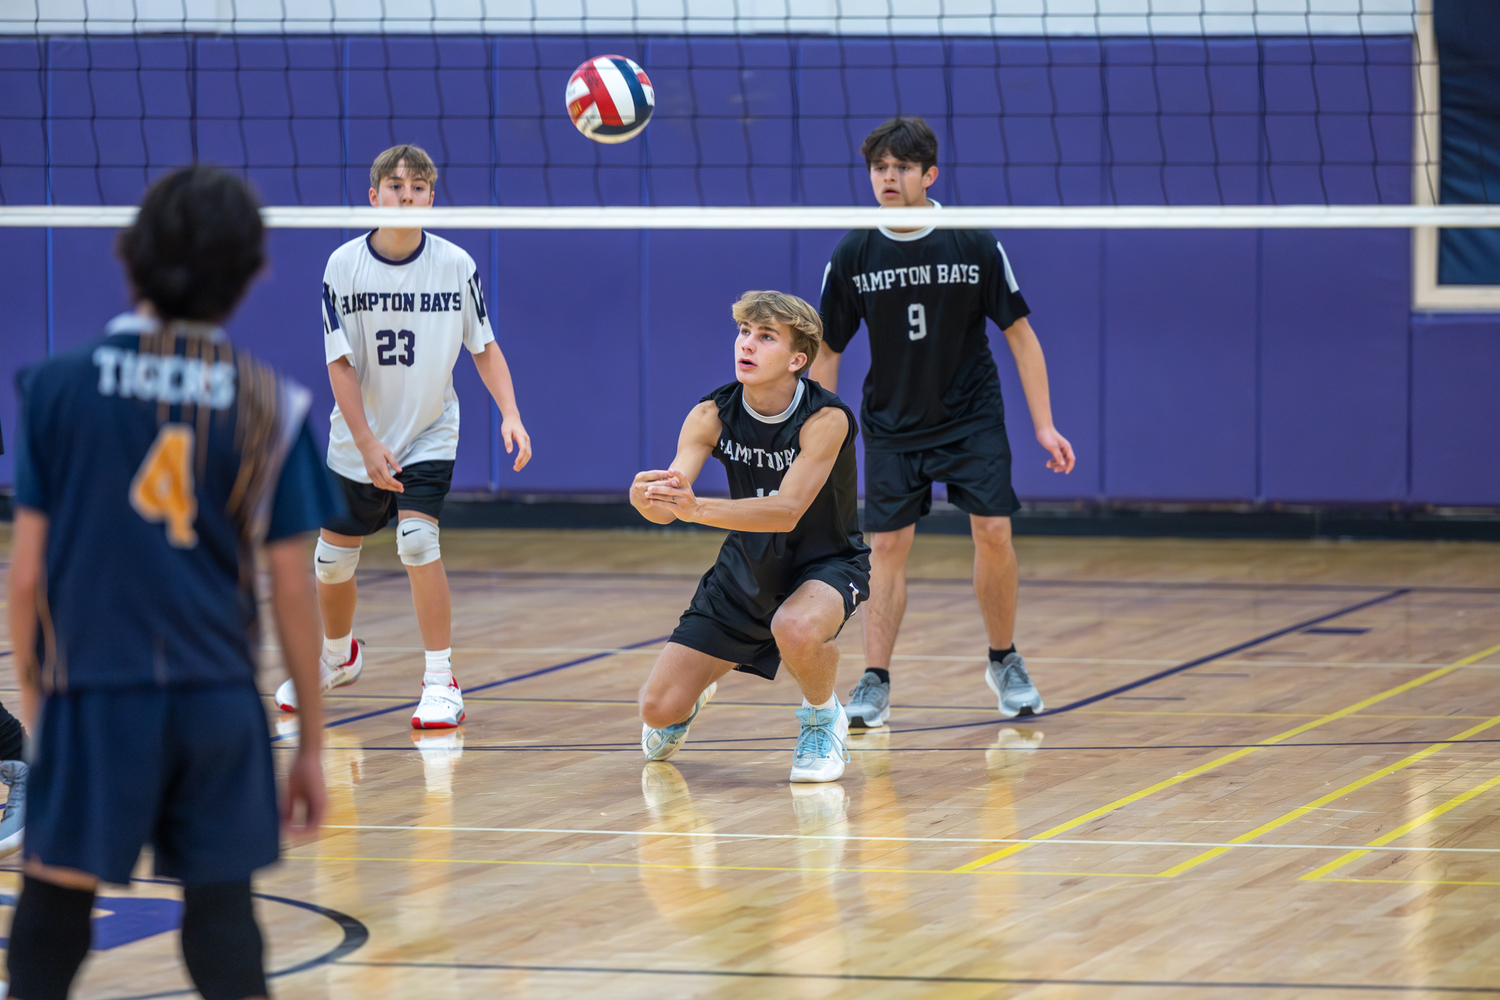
610,98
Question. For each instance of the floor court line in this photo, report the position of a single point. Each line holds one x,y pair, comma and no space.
1258,640
624,747
1382,842
900,840
1333,796
1218,762
958,980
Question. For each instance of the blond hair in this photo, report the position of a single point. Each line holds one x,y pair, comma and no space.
767,307
418,164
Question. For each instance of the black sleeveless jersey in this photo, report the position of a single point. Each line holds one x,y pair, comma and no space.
924,297
756,453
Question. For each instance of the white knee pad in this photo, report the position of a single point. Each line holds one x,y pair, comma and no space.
334,563
417,541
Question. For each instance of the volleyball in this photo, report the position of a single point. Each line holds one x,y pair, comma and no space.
610,98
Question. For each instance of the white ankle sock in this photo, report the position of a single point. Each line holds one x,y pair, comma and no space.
439,667
832,702
341,646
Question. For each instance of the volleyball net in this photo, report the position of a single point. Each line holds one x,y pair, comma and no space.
1050,113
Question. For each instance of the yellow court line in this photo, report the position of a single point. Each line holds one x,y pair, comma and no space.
1321,874
1218,762
1333,796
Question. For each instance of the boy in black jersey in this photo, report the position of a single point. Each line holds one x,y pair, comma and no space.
12,773
794,566
932,409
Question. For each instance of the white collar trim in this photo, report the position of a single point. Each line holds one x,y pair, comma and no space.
908,237
781,417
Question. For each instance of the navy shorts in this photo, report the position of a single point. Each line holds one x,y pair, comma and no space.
371,508
185,769
722,627
898,484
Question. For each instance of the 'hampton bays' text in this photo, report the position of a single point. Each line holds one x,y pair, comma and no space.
434,302
901,277
758,457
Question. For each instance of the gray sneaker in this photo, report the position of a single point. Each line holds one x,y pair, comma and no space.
869,703
13,820
1010,682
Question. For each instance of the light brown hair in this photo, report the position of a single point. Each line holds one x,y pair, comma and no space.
768,307
419,165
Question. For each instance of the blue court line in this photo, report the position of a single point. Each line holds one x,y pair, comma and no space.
508,680
974,980
1019,720
356,934
380,575
1170,671
634,748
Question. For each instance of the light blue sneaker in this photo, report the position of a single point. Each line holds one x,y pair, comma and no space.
869,703
820,754
13,820
1012,685
659,744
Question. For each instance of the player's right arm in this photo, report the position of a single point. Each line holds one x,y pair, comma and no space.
28,546
696,441
380,464
339,355
294,605
839,309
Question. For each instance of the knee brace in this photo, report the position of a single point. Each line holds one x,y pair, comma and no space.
49,939
334,563
221,943
417,541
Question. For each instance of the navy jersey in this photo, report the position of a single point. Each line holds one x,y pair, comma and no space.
923,297
161,459
756,452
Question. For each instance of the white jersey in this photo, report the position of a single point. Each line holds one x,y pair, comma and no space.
401,323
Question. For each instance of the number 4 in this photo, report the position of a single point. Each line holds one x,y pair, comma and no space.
163,486
916,315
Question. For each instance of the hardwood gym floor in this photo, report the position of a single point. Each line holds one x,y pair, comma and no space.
1268,769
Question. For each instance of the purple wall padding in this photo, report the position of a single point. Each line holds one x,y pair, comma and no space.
1455,409
1184,366
1334,328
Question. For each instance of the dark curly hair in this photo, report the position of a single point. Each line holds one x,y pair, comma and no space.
195,244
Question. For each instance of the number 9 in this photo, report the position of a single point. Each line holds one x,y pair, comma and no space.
916,315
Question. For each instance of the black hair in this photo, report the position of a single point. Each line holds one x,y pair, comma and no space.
195,244
908,139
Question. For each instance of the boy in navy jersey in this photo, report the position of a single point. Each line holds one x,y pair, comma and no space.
932,409
152,464
794,566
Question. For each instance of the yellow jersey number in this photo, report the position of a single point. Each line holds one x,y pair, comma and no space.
163,490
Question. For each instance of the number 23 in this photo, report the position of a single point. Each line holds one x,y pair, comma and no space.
916,315
385,351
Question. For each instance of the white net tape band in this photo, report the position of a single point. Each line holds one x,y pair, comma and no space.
990,217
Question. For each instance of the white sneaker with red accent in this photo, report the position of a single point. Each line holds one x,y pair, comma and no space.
441,707
332,672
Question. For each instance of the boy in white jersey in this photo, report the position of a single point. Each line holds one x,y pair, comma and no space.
397,306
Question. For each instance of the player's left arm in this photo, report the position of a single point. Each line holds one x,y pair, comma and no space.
1032,365
27,554
821,439
495,374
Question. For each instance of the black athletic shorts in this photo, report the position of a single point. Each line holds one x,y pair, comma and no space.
719,624
898,484
371,508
